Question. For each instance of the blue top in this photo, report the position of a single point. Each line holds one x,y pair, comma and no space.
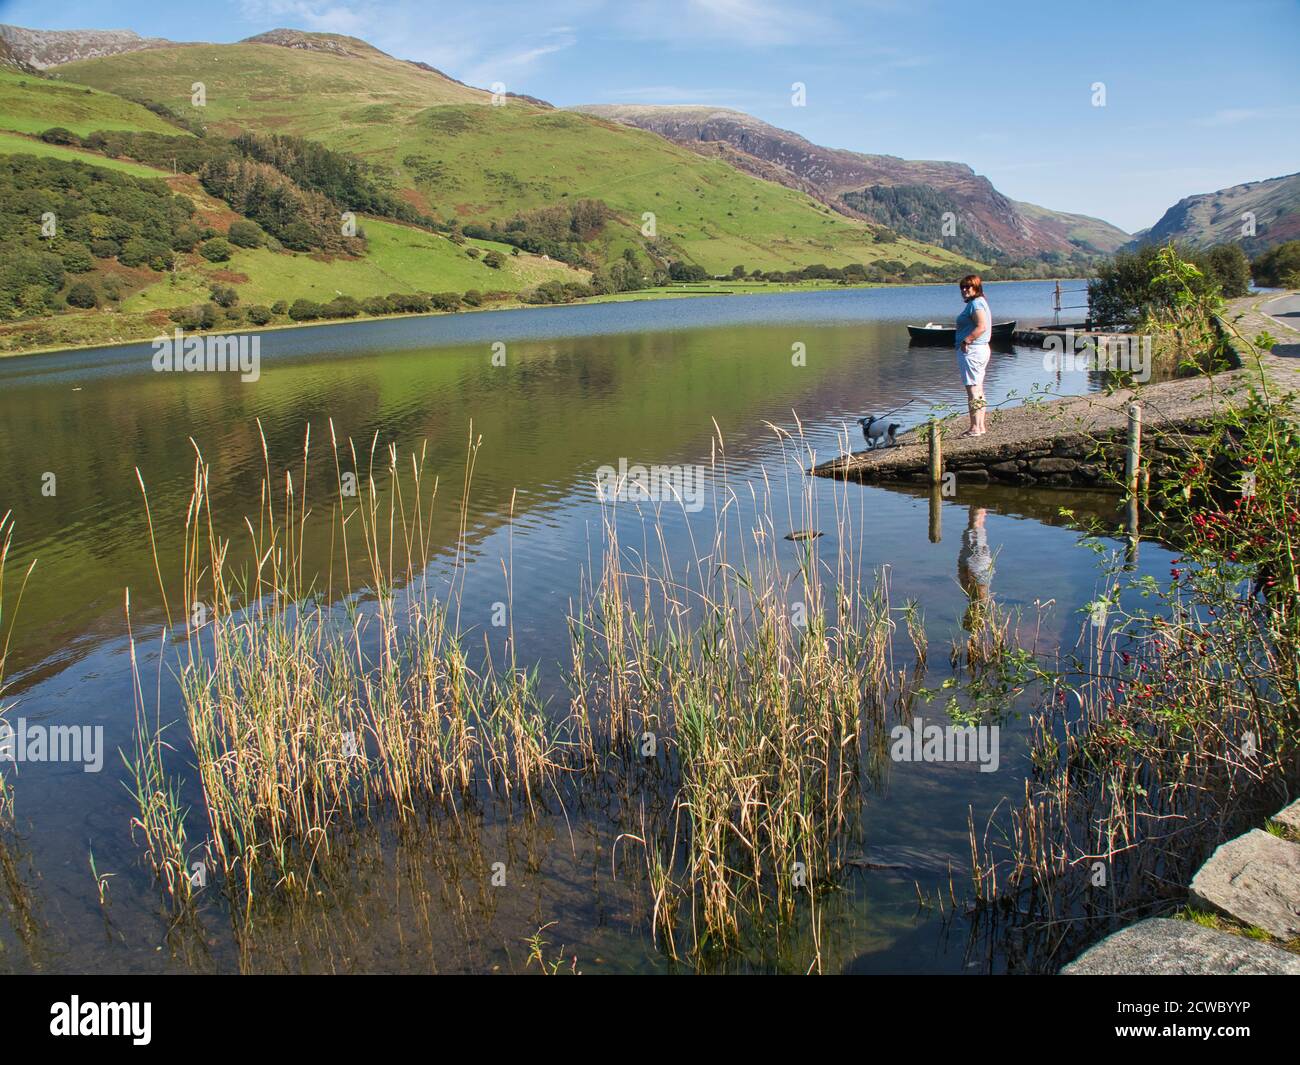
966,321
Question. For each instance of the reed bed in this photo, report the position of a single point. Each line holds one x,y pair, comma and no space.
731,703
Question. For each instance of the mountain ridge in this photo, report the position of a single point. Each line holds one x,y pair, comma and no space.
1208,218
994,220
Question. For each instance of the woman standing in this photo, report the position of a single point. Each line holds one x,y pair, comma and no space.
974,329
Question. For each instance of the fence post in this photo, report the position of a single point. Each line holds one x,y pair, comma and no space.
936,453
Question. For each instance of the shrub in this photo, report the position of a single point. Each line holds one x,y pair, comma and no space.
280,307
445,301
105,248
259,314
473,298
216,250
224,295
341,307
304,310
245,234
409,302
494,259
377,305
59,135
82,295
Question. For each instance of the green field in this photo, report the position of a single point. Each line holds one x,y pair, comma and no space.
30,104
461,157
398,259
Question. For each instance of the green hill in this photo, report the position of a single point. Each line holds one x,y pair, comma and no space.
454,154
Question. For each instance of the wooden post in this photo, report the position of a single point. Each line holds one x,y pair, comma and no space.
936,513
1133,476
936,453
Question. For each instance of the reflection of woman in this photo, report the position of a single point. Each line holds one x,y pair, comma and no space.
974,330
975,567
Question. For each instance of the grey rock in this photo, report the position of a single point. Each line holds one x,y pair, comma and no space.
1256,879
1053,465
1004,469
1181,948
1070,449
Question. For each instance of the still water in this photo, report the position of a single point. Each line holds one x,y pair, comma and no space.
581,387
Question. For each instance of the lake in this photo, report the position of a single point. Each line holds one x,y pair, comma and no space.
554,394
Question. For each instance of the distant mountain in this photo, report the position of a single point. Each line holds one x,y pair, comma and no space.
42,49
909,196
1218,217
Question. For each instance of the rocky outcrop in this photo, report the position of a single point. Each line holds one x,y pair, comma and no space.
1255,879
41,49
1163,947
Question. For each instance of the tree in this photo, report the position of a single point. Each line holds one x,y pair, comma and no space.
1228,265
494,259
245,234
1279,267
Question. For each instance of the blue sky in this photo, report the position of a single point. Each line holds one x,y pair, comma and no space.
1199,95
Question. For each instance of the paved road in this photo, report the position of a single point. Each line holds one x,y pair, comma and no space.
1284,311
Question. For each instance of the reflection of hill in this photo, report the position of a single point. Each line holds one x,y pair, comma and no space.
560,408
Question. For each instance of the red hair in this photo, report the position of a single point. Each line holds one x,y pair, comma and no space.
974,281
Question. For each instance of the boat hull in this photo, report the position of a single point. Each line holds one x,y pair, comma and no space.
1001,332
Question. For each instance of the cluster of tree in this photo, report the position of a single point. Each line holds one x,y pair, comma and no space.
187,121
343,179
346,182
298,218
1126,288
558,292
558,230
223,307
1278,267
624,274
882,271
59,216
918,211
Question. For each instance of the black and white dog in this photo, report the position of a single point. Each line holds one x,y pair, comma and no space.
878,433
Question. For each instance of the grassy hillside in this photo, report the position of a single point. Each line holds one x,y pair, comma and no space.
457,155
1082,229
397,259
30,104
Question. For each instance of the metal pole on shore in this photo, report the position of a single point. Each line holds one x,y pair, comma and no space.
936,453
1133,453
